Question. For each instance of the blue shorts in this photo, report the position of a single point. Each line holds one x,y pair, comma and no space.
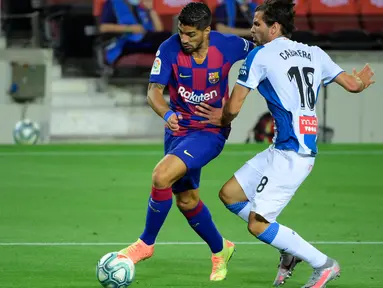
195,150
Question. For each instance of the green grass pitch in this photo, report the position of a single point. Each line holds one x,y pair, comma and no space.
82,201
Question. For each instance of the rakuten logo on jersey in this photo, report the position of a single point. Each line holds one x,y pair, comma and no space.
193,98
308,125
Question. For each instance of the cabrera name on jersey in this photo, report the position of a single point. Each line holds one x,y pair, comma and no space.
191,83
288,75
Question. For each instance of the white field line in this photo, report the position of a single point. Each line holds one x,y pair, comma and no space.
141,153
50,244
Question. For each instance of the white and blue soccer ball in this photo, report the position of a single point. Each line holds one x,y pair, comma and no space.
115,270
26,132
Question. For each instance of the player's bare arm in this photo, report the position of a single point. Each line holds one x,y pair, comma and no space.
234,105
157,102
156,99
357,81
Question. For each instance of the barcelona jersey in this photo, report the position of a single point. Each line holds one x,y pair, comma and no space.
191,83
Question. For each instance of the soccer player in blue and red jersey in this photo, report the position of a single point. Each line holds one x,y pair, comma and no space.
194,64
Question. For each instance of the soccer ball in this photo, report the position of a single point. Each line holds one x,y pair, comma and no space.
115,270
26,132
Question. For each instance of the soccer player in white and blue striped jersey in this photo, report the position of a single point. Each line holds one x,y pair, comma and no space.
288,75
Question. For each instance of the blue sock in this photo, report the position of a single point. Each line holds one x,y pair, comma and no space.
159,206
242,209
270,233
201,221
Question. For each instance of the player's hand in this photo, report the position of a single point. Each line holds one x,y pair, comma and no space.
172,119
212,114
365,75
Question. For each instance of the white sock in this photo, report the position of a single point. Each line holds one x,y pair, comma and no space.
285,239
242,209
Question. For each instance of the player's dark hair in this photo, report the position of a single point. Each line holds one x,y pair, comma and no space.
280,11
196,14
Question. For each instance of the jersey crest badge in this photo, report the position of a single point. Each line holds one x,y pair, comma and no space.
213,77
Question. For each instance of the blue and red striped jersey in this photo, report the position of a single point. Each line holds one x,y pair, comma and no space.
191,83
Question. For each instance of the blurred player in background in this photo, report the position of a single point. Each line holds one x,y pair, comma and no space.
195,65
288,75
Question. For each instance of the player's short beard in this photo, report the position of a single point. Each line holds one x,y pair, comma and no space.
193,50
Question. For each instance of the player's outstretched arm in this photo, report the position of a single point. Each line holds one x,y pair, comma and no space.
234,104
157,102
357,81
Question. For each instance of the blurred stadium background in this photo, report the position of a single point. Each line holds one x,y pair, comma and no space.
53,72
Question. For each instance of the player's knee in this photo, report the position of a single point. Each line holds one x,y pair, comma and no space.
187,202
230,194
160,178
224,195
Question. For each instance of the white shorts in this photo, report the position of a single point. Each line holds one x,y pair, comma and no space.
271,178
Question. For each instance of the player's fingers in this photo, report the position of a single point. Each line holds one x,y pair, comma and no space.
201,114
173,121
354,71
369,71
174,127
203,109
366,68
223,102
207,106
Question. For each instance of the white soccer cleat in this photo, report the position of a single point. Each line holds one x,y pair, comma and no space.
285,268
322,275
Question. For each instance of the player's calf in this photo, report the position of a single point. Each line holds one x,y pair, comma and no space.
187,200
263,230
257,224
200,219
167,171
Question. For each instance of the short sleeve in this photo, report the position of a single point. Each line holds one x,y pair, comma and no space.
330,70
253,71
162,65
239,48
